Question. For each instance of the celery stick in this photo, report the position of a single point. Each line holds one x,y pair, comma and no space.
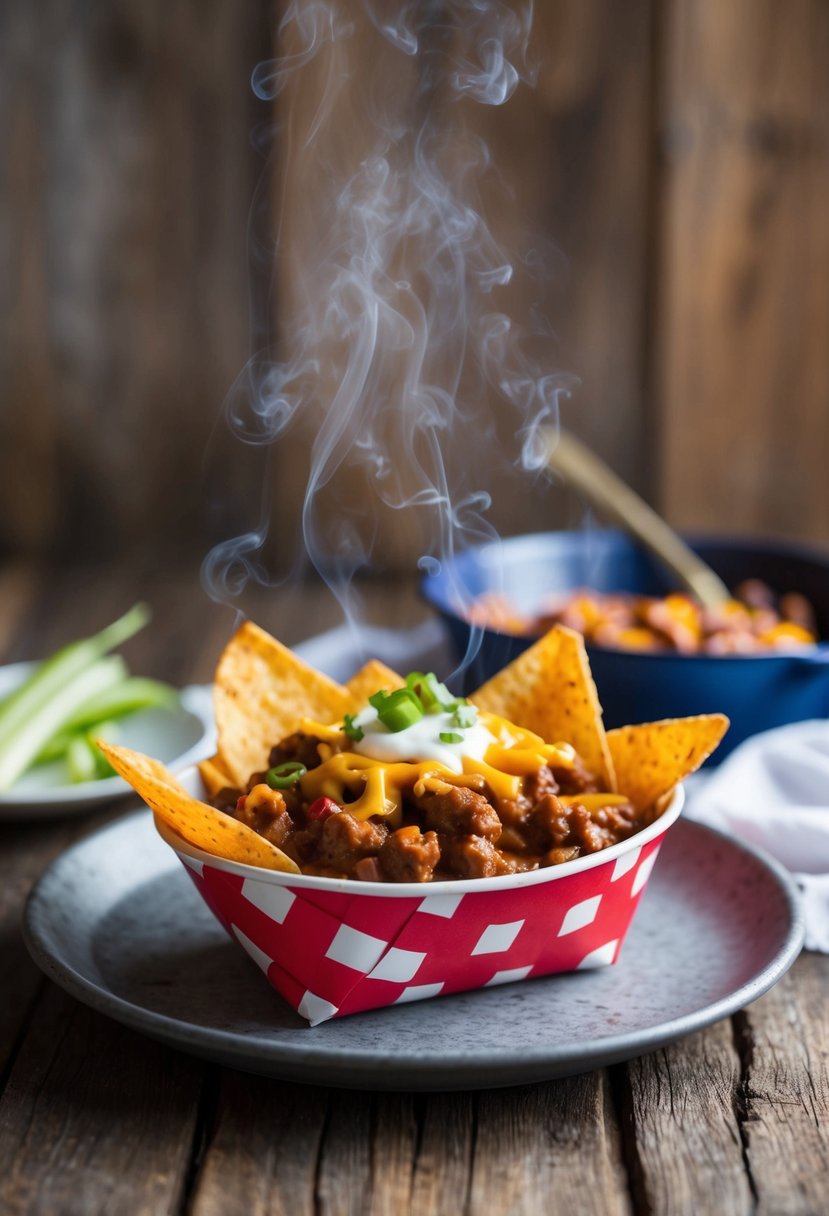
111,733
132,694
18,752
136,692
81,760
52,675
84,759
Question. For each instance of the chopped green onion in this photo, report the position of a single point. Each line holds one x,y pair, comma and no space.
449,736
397,710
351,729
465,715
433,695
283,776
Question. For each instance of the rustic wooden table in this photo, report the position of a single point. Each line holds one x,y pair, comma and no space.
96,1118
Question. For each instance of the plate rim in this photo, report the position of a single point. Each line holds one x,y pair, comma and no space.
312,1063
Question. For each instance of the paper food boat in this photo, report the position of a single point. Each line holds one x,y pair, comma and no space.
334,947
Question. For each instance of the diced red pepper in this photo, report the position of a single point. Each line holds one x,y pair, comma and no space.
240,803
321,808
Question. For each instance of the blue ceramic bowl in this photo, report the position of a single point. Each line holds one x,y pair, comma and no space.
757,691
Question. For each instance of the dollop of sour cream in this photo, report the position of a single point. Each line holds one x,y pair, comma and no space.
421,740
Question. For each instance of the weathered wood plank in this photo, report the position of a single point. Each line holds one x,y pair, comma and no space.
20,584
784,1039
344,1169
569,189
393,1149
577,154
443,1162
262,1154
542,1141
127,179
25,851
681,1127
94,1119
742,362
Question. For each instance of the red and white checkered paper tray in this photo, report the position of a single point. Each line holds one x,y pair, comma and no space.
333,947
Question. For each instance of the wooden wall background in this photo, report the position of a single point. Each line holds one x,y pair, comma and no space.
676,151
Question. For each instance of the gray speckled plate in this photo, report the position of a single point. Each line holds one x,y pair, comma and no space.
116,922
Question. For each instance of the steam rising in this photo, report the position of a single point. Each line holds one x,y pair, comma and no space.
398,338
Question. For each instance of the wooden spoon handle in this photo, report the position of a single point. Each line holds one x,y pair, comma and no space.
616,501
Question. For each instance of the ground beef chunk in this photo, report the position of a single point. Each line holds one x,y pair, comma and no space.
548,825
575,779
621,820
513,812
301,747
344,840
471,857
538,785
591,836
264,810
557,857
457,810
409,855
368,869
226,799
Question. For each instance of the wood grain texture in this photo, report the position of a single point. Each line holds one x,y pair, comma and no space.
682,1128
536,1143
442,1165
567,195
784,1038
128,175
743,300
688,293
93,1119
262,1152
579,155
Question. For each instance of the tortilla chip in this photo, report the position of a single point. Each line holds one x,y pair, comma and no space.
370,679
195,821
261,692
214,775
548,689
652,758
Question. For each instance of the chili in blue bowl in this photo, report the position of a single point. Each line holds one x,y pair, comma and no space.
756,691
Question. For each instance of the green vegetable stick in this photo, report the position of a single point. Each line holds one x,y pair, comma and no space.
81,761
130,695
18,751
56,672
136,692
84,759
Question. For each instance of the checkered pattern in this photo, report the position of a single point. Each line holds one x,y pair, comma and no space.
332,954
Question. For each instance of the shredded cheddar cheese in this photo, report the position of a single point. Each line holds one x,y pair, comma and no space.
376,787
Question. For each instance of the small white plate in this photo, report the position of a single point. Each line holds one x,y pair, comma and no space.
179,735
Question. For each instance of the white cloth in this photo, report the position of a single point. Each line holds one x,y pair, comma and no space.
773,791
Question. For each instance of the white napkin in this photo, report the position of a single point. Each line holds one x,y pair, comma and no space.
773,791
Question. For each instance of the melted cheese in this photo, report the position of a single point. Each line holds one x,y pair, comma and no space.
497,751
378,786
